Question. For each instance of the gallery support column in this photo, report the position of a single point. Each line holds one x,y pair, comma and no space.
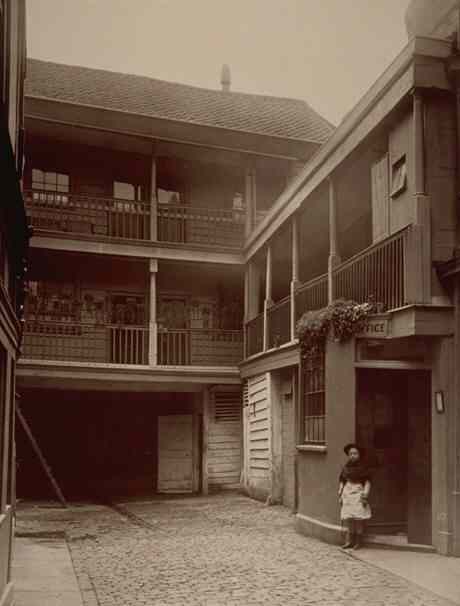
246,310
418,261
153,326
454,435
295,272
252,301
334,256
153,201
205,445
268,296
249,202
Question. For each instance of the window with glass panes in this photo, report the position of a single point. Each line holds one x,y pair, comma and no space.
313,394
50,186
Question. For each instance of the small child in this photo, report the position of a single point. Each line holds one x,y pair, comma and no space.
354,488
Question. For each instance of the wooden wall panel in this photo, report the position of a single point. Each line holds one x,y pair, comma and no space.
224,440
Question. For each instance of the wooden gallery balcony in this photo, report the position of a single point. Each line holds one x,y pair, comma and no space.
129,345
385,273
85,342
97,218
200,347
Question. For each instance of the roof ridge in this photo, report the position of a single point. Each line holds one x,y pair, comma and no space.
285,117
182,84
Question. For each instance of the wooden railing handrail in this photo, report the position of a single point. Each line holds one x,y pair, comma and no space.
313,282
258,318
86,324
200,330
372,248
200,209
278,304
83,196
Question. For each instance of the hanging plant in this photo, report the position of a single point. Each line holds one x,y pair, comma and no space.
340,321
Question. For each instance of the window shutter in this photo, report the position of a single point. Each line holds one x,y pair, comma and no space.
227,406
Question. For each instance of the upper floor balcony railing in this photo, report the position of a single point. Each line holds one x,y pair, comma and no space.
88,215
131,220
203,226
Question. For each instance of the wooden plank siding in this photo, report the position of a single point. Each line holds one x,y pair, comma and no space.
224,457
258,437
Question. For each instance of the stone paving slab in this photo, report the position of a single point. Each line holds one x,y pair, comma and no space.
222,550
434,572
43,573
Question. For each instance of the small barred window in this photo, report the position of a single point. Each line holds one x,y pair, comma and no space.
314,401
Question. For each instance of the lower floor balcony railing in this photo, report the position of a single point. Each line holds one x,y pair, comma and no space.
385,273
379,273
80,342
279,323
311,295
255,335
200,347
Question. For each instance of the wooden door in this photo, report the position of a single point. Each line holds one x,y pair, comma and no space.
175,456
381,417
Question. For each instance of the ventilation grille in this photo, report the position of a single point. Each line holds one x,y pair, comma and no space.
246,393
227,406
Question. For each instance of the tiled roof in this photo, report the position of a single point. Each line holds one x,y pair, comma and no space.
273,116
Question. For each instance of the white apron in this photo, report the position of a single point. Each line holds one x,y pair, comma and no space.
352,506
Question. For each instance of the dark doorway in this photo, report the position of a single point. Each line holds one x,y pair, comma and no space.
393,423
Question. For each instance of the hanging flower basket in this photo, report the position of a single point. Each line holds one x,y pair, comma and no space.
339,321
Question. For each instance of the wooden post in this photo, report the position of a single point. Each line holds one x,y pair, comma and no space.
153,201
420,239
7,394
454,414
419,144
268,295
249,201
40,456
246,309
254,195
295,272
334,257
253,290
206,418
153,326
196,429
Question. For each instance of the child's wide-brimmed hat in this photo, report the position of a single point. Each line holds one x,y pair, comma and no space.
348,447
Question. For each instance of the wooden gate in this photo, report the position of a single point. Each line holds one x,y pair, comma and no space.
175,460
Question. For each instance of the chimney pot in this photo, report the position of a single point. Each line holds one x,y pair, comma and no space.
225,78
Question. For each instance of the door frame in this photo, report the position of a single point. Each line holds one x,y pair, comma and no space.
389,365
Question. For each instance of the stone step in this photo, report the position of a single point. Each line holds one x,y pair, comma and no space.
397,542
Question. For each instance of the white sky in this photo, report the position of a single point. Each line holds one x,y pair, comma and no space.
327,52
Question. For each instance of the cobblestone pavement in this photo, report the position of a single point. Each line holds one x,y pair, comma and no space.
212,551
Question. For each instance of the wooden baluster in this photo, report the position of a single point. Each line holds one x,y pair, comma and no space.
400,272
395,264
390,275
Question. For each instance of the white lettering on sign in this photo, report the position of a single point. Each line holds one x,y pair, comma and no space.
375,328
